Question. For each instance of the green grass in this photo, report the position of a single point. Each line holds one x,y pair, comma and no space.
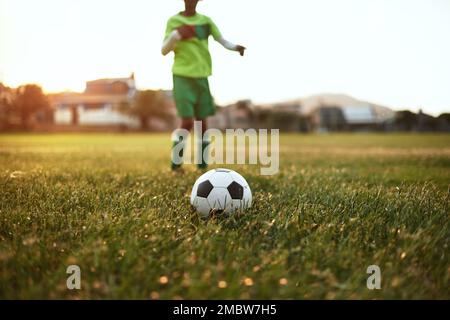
339,204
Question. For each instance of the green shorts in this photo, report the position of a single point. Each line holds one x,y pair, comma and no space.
192,97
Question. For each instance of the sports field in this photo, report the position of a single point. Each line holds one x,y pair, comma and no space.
110,204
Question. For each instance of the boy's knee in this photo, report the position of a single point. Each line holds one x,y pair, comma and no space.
187,123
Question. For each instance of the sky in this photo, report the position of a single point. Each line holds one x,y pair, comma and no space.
392,52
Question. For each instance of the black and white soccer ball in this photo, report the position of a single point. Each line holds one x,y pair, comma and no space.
220,191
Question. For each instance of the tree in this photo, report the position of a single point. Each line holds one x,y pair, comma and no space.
406,120
6,105
28,101
146,105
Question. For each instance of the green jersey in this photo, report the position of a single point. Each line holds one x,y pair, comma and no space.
192,57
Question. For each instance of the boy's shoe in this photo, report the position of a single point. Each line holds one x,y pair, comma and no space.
175,167
175,144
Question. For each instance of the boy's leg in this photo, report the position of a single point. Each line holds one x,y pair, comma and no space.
179,142
205,107
204,144
185,99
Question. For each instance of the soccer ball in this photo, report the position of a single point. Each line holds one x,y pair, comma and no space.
220,191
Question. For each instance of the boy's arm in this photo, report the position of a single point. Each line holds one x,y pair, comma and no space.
217,35
231,46
184,32
170,42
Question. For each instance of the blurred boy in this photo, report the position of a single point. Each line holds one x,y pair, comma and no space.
187,35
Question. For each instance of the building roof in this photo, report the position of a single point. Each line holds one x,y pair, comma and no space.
94,95
81,98
130,79
110,80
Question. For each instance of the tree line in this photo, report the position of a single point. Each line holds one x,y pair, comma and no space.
20,107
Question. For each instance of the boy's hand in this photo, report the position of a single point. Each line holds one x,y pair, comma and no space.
186,32
241,50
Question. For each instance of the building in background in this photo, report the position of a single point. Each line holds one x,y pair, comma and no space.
326,112
98,105
101,107
235,116
359,117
